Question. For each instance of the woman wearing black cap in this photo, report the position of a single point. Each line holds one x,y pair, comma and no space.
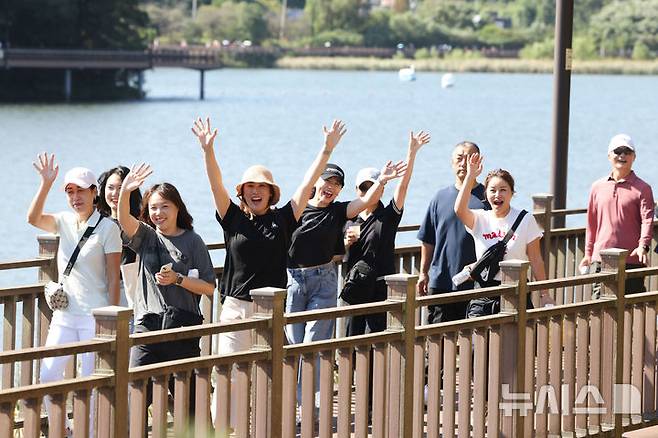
312,276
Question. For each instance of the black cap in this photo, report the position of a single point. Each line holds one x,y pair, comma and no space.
334,171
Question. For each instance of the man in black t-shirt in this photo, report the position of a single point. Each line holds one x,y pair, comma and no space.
446,246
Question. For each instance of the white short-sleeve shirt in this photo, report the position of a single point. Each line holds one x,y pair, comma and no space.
86,285
488,229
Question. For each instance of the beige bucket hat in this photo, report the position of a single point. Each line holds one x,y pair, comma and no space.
259,174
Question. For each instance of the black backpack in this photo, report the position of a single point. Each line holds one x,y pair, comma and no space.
487,267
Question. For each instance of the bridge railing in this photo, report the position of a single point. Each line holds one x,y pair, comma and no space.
580,368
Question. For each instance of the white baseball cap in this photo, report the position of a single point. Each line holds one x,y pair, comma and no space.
81,177
367,174
620,140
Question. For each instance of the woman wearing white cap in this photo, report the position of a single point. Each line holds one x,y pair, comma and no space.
370,238
93,280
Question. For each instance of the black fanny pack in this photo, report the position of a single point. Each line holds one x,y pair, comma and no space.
172,317
359,285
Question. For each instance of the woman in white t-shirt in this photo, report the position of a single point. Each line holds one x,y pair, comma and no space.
94,279
490,226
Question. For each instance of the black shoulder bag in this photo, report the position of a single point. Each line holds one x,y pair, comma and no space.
359,285
56,296
487,267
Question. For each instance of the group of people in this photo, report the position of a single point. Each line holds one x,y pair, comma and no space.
619,215
295,246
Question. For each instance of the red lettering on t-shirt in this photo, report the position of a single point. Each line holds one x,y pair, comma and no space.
497,235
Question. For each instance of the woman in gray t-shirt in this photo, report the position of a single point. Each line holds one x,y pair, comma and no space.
175,268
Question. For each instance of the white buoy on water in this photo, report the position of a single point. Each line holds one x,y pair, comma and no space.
407,74
447,80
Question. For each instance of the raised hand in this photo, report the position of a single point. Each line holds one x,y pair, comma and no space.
136,177
46,168
204,133
332,136
392,170
416,141
474,165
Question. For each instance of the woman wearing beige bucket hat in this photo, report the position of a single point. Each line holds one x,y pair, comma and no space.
257,234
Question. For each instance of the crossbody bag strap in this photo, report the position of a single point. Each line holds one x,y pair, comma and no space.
81,243
170,247
515,225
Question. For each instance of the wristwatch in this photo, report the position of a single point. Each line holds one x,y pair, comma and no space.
179,279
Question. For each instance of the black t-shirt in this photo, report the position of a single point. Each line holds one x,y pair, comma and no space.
319,236
376,244
256,249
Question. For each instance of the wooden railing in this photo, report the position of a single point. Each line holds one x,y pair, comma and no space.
538,347
564,366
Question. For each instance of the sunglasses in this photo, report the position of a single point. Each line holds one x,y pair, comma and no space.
623,150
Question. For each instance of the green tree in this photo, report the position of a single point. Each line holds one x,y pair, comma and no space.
81,24
377,30
618,26
233,21
88,24
336,14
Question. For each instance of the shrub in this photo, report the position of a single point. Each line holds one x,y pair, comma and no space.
539,50
336,37
641,51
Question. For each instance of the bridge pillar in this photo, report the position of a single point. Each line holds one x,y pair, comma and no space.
202,80
140,81
67,84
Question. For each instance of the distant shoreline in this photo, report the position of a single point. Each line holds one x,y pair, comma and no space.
481,65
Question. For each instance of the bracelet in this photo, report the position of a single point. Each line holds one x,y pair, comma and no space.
380,181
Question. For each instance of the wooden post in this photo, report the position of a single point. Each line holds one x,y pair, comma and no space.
7,419
202,84
112,322
269,303
613,260
206,310
402,288
48,244
542,209
67,84
8,338
514,272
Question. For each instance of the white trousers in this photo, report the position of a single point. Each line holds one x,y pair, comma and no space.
233,310
65,328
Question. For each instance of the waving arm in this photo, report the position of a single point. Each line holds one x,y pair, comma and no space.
415,143
132,181
474,168
206,137
303,193
373,195
47,170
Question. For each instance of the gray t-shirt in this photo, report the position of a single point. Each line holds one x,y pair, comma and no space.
186,252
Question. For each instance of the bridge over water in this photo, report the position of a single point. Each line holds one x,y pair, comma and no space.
197,58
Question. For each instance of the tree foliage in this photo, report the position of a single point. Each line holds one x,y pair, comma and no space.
89,24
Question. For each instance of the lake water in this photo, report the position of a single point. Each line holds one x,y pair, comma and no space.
274,117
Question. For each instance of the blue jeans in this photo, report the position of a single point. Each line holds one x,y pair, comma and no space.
310,289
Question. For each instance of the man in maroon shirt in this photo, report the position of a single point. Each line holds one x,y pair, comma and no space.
620,212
